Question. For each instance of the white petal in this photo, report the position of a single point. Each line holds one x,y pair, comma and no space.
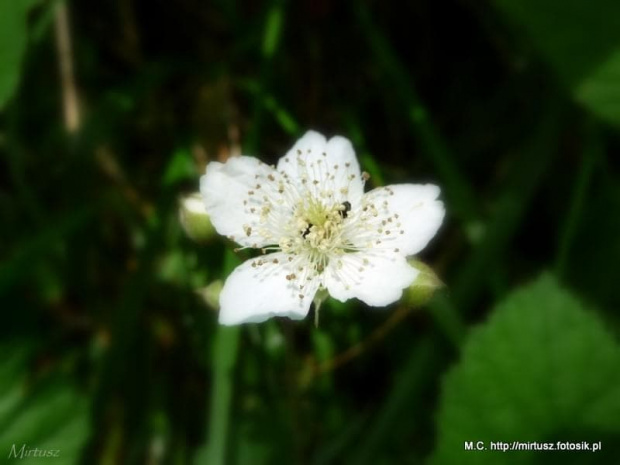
376,279
311,144
401,218
227,189
258,289
328,169
340,153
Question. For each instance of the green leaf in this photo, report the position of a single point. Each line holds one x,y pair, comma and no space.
180,168
541,369
600,91
581,41
52,417
13,41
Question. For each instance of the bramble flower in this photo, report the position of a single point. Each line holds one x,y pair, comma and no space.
317,229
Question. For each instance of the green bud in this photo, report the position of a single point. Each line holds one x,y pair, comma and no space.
194,218
424,286
211,294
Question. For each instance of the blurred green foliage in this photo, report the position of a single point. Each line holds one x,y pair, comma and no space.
13,41
109,352
579,43
47,414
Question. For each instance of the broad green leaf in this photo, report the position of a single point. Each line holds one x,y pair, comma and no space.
581,41
47,418
542,368
12,360
13,41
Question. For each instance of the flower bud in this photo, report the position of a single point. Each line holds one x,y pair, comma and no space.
424,286
194,218
211,294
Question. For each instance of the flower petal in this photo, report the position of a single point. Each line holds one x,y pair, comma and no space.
377,279
227,189
328,169
261,288
340,154
401,218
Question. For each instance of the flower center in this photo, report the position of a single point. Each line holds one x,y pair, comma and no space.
315,231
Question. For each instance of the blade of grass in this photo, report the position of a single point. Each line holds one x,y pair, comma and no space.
271,40
368,162
280,114
271,35
591,153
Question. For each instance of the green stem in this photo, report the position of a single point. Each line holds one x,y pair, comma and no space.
225,350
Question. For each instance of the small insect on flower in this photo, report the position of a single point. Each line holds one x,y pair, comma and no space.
320,231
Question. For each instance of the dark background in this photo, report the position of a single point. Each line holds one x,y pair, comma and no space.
110,355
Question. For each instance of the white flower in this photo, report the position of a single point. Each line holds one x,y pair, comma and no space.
320,230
